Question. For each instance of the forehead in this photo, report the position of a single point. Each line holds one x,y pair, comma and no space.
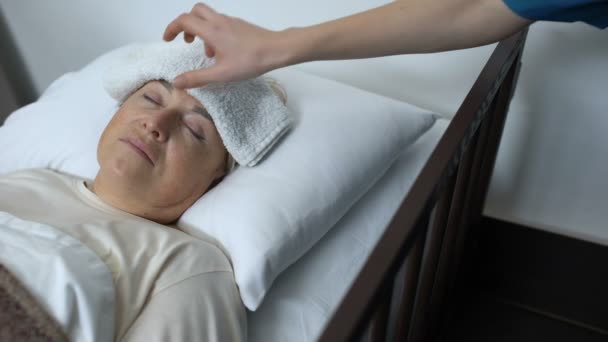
165,84
195,105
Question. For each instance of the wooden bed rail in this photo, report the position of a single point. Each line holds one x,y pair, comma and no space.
403,288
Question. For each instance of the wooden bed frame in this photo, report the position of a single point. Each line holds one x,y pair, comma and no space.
403,290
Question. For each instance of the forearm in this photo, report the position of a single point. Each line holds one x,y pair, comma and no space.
400,27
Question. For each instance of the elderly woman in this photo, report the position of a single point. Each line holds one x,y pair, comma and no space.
159,153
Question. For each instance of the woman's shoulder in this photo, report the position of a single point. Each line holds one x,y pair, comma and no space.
40,180
37,174
184,257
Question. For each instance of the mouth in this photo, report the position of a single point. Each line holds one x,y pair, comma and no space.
141,148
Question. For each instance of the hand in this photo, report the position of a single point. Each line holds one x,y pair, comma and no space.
242,50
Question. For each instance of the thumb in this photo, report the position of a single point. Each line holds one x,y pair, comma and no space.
197,78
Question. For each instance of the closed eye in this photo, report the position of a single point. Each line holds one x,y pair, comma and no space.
150,99
196,135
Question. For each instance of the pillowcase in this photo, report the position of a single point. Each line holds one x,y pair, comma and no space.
265,217
343,141
60,131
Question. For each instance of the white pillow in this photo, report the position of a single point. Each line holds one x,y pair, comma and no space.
343,140
265,217
60,130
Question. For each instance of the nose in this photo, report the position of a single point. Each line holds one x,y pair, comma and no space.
159,124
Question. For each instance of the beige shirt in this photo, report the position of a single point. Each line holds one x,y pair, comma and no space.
169,285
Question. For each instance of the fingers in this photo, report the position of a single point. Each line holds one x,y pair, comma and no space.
200,14
188,38
187,23
173,29
203,11
197,78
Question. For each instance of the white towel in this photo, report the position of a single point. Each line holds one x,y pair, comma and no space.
249,116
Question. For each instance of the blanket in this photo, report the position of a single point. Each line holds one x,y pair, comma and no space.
22,318
52,286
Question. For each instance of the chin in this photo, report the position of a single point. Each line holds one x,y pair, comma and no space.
126,168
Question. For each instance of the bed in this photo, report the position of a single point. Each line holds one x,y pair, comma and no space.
298,306
449,202
384,287
301,307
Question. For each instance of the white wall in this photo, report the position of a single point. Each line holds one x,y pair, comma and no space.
63,35
553,159
552,165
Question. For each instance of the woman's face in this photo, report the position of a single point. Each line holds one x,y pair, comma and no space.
162,149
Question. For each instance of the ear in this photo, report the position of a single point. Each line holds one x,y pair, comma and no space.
215,182
226,167
219,173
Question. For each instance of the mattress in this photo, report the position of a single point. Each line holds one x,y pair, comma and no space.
303,298
552,163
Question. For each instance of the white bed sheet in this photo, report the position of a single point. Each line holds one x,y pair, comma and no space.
304,296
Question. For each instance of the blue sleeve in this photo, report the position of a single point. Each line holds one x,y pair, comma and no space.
594,12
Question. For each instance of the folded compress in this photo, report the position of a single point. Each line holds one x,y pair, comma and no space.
249,116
